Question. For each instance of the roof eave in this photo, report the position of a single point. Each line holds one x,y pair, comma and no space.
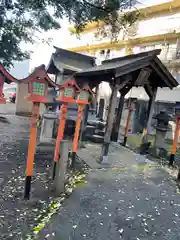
74,53
152,53
171,80
51,65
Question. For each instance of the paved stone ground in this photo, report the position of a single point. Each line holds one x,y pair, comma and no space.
133,200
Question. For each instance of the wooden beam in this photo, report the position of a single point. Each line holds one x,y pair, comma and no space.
109,126
143,77
124,82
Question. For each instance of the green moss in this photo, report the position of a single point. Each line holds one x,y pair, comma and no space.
81,184
45,215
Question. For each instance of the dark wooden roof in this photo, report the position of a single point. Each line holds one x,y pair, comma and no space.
69,61
131,65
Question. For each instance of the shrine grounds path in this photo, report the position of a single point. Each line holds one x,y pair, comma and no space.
133,199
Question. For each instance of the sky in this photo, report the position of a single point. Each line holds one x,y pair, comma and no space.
60,38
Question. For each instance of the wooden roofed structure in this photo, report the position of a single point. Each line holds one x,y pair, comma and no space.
133,64
136,70
65,63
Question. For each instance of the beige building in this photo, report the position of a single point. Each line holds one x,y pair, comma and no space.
157,27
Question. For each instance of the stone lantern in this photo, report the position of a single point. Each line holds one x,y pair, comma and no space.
161,129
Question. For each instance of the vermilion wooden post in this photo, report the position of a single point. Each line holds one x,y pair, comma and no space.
176,134
131,109
70,93
127,126
38,83
76,133
31,149
82,100
62,122
175,141
67,93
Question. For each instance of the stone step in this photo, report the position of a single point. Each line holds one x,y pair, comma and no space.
99,132
98,124
92,123
90,130
96,138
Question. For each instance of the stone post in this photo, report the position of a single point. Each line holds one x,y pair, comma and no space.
61,168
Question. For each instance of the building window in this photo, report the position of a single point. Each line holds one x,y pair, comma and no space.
178,54
143,49
108,54
102,52
178,77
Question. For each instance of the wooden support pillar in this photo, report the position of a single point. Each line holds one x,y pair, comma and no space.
149,107
83,125
109,126
147,130
115,132
124,90
96,97
100,114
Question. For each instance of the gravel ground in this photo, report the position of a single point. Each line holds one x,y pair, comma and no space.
138,202
17,217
